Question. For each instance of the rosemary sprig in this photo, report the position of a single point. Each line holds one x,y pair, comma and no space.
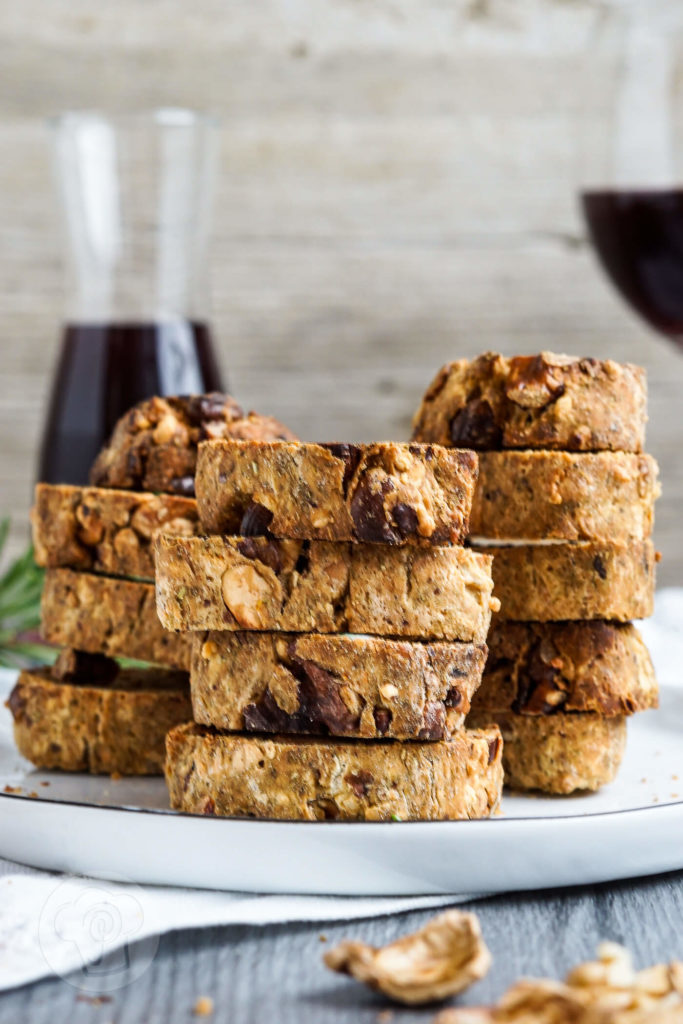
21,585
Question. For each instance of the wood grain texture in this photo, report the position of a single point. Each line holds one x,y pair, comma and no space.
398,189
276,974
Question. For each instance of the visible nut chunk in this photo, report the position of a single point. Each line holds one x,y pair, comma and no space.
439,960
320,518
168,430
534,382
605,991
126,543
91,526
389,691
245,592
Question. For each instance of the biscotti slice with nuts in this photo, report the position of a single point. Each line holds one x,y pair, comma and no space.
100,718
154,445
560,667
355,686
383,493
108,531
260,583
557,753
576,580
208,772
540,401
602,496
108,616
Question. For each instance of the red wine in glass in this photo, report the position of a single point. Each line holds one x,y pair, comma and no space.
103,370
638,235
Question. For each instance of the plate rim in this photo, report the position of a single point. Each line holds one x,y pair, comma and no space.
171,813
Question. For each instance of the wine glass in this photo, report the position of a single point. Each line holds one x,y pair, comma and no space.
632,195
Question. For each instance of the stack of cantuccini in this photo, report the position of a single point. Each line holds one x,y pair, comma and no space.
88,713
339,629
568,517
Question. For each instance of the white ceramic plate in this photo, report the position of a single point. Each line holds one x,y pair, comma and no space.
124,830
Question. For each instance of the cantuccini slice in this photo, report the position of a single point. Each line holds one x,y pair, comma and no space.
208,772
540,401
355,686
96,717
560,667
108,531
576,580
237,583
557,753
154,445
601,496
108,616
383,493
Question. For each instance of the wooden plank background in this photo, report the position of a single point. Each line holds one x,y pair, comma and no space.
398,188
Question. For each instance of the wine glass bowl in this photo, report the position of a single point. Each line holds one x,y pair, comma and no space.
638,236
632,174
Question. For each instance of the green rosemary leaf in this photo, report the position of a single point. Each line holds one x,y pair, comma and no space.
21,586
23,655
4,531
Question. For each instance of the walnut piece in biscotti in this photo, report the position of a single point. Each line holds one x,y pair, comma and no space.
384,493
575,580
355,686
303,779
319,586
601,496
84,726
108,616
540,401
564,667
557,753
154,445
102,530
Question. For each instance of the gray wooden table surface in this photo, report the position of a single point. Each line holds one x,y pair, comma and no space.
275,974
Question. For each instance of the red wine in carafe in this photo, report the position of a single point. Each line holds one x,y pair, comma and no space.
106,368
638,236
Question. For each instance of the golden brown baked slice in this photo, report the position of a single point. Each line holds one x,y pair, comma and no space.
603,496
154,445
380,493
105,530
545,668
557,753
338,685
98,721
321,586
108,616
540,401
208,772
576,580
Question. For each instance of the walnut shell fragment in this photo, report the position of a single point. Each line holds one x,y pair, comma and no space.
604,991
444,957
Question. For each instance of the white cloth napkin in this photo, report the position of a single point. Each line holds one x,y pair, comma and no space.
102,935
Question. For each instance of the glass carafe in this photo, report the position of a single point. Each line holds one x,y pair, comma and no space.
136,194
